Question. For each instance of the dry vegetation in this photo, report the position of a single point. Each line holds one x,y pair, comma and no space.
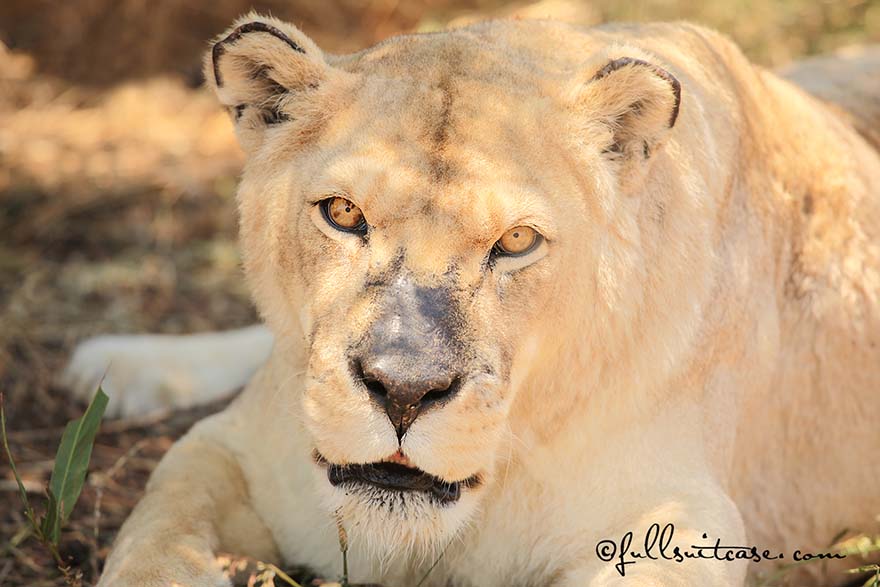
117,178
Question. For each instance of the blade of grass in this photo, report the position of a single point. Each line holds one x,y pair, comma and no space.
24,498
875,580
864,569
282,575
50,525
343,548
436,562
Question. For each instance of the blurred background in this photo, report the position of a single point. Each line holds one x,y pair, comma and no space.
117,181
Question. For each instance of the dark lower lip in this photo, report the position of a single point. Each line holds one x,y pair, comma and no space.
395,477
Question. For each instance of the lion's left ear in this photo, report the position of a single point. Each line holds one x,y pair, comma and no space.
636,102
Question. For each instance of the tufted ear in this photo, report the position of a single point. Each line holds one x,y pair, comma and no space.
260,68
635,104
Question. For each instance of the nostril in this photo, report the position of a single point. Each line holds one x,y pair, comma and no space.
441,393
373,385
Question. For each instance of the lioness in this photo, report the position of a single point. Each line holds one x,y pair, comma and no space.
532,287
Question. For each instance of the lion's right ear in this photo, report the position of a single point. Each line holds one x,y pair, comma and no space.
260,68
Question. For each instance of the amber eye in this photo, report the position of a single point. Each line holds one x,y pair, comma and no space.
342,215
518,241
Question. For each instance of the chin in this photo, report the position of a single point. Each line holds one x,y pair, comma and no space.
391,509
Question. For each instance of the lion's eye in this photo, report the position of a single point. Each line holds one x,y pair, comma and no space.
518,241
343,215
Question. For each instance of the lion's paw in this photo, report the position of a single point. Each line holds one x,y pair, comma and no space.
132,370
150,373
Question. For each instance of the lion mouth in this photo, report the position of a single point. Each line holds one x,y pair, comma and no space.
394,476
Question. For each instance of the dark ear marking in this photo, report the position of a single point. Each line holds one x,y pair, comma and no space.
658,71
613,148
274,116
251,27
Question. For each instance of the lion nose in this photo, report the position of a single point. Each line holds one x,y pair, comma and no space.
406,388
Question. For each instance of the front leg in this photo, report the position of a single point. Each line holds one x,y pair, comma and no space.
196,504
643,554
665,471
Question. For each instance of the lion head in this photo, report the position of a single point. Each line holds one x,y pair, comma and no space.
445,223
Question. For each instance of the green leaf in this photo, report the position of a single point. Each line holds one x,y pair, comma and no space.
23,493
72,461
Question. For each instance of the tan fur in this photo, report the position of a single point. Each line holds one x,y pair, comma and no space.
697,343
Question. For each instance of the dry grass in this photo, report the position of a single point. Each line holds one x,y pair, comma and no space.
117,212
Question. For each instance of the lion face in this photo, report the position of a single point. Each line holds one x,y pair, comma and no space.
409,225
419,269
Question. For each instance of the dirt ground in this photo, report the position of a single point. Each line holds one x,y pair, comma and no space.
117,211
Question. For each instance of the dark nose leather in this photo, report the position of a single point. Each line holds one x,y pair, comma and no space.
405,390
406,358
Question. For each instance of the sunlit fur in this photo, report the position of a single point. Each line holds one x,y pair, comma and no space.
697,343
